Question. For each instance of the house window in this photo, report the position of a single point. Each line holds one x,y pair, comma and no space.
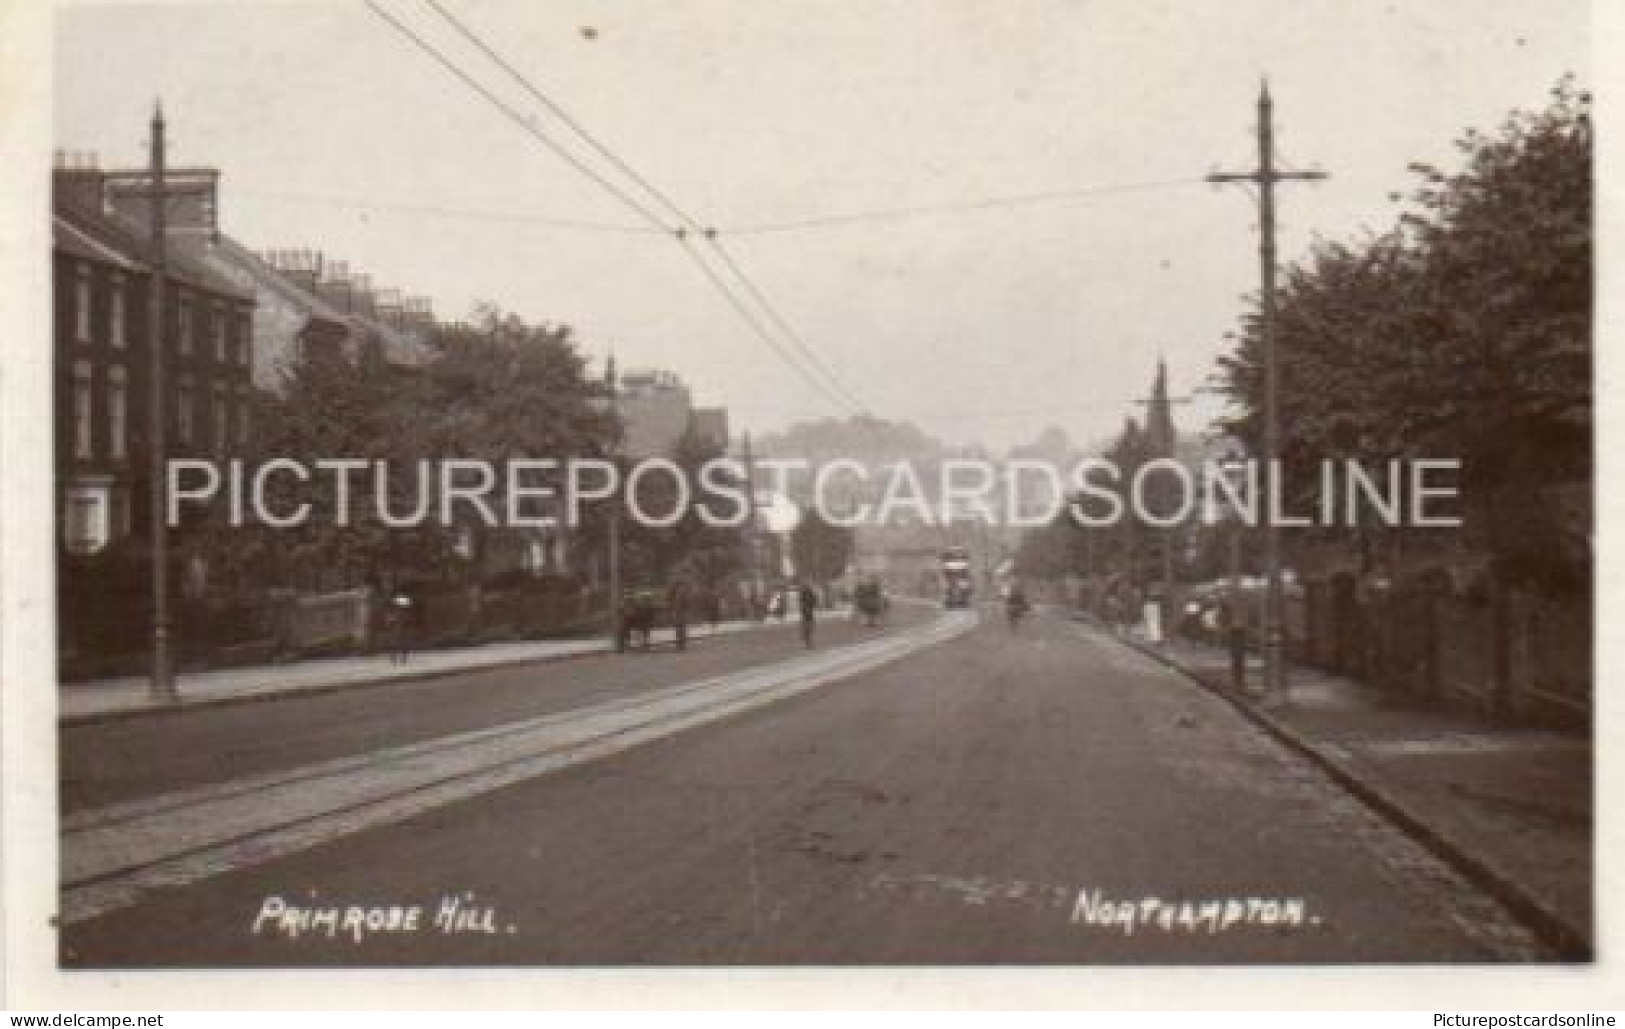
217,326
241,332
118,413
221,415
183,322
85,518
242,417
184,413
84,446
81,303
115,313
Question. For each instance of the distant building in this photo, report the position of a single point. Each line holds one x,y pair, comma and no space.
710,425
658,410
655,407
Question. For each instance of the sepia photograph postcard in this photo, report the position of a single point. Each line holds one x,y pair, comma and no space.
1091,500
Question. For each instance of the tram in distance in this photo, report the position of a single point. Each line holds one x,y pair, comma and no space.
956,577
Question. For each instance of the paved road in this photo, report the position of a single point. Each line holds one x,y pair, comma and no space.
106,762
1044,797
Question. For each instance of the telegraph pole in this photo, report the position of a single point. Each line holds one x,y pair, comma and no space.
753,538
1265,176
617,638
162,684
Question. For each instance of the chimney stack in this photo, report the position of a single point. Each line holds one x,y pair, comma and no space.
419,314
365,303
77,179
303,268
335,286
388,304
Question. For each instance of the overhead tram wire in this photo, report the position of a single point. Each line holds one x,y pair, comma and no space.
693,224
519,119
784,326
750,319
641,209
956,207
690,228
469,214
562,115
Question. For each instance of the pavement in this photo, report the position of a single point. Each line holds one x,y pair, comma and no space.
934,792
1509,807
131,696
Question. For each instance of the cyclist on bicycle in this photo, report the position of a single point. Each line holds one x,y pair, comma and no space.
1015,603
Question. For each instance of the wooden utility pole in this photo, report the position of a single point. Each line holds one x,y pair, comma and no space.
753,537
1265,176
162,683
617,631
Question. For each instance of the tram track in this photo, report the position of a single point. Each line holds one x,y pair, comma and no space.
111,856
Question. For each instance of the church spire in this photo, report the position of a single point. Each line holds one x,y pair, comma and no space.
1160,435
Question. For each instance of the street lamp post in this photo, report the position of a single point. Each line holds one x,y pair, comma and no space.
617,638
753,535
162,684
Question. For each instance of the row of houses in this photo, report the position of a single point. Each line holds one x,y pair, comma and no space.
233,318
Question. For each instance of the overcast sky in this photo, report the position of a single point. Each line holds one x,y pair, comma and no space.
980,324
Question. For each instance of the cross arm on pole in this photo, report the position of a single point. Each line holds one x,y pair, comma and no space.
1219,178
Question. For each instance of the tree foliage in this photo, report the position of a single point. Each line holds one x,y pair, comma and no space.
692,548
1462,331
821,550
495,388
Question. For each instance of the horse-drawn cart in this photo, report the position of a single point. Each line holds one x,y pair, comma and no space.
869,601
645,609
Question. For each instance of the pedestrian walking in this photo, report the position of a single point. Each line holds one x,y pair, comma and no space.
1235,635
677,607
1016,605
399,615
809,612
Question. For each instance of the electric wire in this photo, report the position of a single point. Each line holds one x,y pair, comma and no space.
951,207
841,392
470,214
562,115
519,119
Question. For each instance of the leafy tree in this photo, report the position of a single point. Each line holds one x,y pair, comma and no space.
1507,295
328,408
706,555
1051,551
501,389
495,388
1464,331
821,550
